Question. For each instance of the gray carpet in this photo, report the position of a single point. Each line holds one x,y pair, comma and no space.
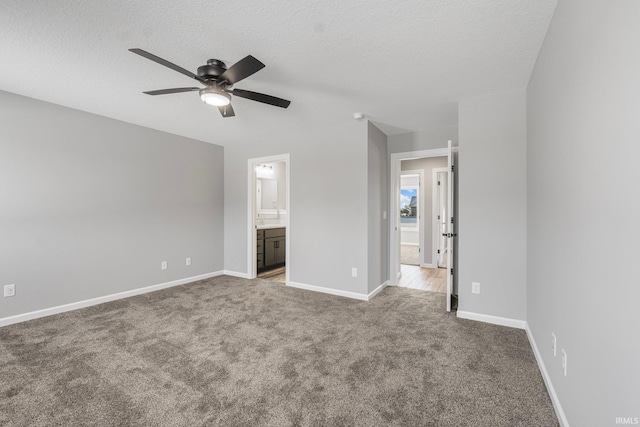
234,352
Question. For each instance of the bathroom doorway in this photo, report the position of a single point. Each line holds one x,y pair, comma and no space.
269,218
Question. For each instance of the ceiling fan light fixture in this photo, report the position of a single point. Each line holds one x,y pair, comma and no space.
214,96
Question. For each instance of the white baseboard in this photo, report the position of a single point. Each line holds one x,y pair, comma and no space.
354,295
496,320
427,266
377,290
235,274
562,419
99,300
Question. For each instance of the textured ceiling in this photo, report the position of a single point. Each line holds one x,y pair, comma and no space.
405,64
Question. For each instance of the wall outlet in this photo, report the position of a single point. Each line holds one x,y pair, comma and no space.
354,272
163,266
564,361
9,290
553,343
188,261
475,287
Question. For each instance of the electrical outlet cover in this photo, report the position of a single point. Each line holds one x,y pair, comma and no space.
9,290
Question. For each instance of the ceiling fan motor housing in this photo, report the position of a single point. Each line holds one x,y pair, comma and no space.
212,70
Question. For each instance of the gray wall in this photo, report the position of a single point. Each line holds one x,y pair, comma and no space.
424,140
583,210
427,165
378,202
493,202
328,203
91,205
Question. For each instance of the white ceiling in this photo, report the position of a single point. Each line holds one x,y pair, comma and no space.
405,64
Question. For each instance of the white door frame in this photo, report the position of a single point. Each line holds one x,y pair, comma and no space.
420,221
394,205
435,192
252,255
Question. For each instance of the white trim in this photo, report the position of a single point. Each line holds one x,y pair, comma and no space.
377,290
354,295
100,300
235,274
427,265
338,292
251,214
409,244
562,419
394,209
496,320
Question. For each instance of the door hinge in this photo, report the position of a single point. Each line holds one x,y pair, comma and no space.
419,249
438,250
452,271
451,220
438,182
452,168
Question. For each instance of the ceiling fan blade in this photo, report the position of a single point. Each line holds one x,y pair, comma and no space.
227,111
166,63
175,90
241,70
261,97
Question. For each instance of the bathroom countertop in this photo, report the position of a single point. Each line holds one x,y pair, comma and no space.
270,226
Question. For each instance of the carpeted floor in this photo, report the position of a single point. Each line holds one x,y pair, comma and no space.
234,352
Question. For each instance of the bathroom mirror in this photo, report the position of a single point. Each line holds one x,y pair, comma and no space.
267,194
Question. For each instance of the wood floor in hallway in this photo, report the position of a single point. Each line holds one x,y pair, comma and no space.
427,279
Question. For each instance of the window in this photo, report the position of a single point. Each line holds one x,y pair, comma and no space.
409,207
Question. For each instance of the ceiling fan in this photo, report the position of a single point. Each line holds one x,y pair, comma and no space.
218,81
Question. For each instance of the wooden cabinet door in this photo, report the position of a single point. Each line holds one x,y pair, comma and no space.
274,251
279,250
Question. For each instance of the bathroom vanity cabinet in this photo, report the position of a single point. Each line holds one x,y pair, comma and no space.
271,248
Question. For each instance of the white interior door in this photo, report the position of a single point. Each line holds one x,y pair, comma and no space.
450,228
442,181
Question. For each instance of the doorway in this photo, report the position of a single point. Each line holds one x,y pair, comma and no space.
435,253
269,216
411,217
